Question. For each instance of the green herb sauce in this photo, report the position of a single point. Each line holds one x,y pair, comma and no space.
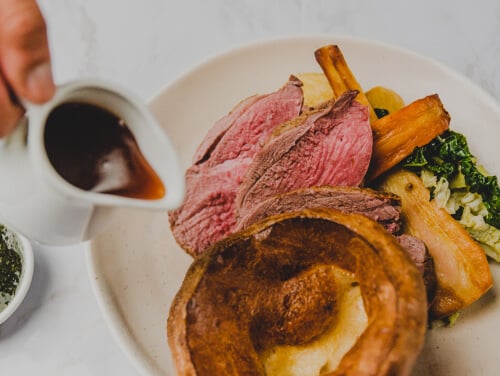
10,268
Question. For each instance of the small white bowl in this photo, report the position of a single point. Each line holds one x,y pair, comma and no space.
28,263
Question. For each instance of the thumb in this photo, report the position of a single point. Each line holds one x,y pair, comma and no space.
24,51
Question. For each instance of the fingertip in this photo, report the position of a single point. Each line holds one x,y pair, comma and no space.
11,115
7,128
24,51
39,83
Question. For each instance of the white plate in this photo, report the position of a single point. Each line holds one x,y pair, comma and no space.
136,266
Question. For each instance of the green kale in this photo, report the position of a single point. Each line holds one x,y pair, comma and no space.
447,156
380,112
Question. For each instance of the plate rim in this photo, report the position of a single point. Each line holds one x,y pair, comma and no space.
259,42
111,317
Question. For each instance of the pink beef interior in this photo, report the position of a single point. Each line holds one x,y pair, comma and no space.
209,217
332,147
220,128
207,214
256,123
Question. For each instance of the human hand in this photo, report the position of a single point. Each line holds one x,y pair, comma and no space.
25,70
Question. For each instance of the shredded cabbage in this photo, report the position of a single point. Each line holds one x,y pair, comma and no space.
448,156
468,208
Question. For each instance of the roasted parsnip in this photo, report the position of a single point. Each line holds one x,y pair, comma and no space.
338,73
398,134
462,270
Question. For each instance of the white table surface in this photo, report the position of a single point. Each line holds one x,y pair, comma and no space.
144,45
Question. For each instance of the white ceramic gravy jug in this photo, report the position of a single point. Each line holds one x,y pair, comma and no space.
42,205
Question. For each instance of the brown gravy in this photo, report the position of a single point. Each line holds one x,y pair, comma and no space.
94,150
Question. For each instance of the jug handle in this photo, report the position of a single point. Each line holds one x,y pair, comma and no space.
18,137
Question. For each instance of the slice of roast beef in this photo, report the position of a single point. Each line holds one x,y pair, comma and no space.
255,123
219,129
422,258
331,146
384,208
222,159
415,248
207,214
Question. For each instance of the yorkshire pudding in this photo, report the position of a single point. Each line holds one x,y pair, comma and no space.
281,286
